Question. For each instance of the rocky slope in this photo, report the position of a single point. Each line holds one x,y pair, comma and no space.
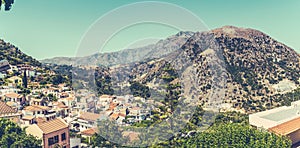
160,49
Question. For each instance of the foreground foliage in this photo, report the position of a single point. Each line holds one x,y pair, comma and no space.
231,135
13,136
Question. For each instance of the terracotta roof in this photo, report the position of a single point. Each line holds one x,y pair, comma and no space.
40,120
28,117
61,105
13,95
70,98
6,109
88,132
89,116
286,127
112,105
53,125
122,115
36,108
11,103
105,96
15,77
36,99
114,116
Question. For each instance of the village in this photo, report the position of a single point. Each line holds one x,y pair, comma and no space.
59,115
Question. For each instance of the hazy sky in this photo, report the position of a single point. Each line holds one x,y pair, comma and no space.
51,28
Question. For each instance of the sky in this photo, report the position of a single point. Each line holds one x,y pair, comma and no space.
55,28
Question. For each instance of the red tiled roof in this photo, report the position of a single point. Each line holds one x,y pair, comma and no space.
13,95
36,108
53,125
114,116
286,127
89,116
88,132
6,109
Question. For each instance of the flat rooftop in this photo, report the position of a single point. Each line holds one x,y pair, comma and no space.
273,117
283,114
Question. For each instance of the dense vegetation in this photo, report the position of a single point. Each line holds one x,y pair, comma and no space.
103,82
11,135
231,135
139,90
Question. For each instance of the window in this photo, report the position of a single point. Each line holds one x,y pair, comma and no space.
53,140
63,137
56,139
50,141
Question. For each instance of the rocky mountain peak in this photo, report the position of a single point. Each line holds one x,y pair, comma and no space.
237,32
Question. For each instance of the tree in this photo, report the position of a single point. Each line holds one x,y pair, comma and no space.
25,79
11,135
7,4
140,90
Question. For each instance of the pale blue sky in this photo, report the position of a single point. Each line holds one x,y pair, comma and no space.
51,28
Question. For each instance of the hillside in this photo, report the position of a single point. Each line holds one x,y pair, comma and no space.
259,71
15,56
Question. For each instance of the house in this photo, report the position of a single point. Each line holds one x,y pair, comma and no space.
88,133
69,101
54,133
4,66
28,120
39,111
5,90
2,75
61,109
34,85
8,112
75,142
37,101
15,81
88,120
138,113
15,98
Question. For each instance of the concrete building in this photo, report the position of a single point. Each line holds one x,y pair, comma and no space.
270,118
281,121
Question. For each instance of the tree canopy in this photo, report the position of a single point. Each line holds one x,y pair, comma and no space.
11,135
231,135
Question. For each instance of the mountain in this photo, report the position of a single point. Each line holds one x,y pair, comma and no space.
160,49
15,56
259,72
258,67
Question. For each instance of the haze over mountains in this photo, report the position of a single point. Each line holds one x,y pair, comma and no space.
160,49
